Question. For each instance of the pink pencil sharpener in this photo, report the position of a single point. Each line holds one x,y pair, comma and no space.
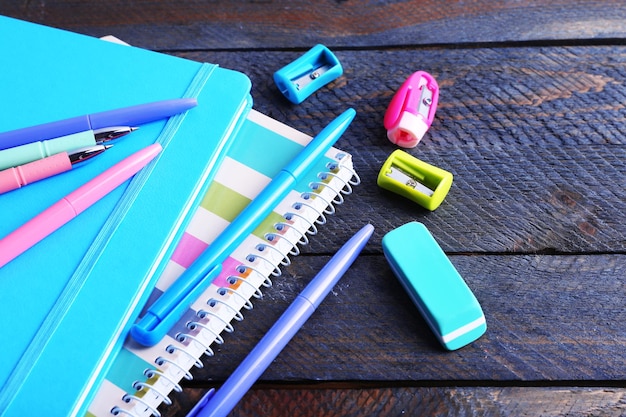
412,110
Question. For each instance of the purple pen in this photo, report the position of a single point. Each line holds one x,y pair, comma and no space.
222,401
127,116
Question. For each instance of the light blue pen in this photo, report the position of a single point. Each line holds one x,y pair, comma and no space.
221,402
170,307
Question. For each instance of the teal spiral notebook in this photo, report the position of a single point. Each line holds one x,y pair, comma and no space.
140,379
66,301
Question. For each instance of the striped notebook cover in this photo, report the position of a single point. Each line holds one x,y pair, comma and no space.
140,378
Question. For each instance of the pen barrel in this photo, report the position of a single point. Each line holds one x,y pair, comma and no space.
13,178
87,194
171,306
36,229
320,144
329,275
160,317
37,150
176,300
141,113
263,204
46,131
55,216
259,359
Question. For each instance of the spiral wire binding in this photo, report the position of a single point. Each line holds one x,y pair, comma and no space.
308,195
316,186
274,237
171,349
312,229
118,411
188,338
320,219
213,302
285,261
237,295
193,325
143,385
346,184
267,282
228,328
247,304
151,373
162,361
276,272
128,399
236,280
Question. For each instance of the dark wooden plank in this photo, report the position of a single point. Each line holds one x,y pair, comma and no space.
419,401
550,318
498,97
210,24
534,136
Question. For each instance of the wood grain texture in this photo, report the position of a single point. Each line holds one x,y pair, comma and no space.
550,318
422,401
534,136
211,24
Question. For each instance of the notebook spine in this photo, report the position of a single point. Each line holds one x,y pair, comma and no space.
225,302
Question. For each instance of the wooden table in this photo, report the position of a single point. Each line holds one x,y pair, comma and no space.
532,124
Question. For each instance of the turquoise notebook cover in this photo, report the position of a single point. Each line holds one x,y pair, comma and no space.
66,301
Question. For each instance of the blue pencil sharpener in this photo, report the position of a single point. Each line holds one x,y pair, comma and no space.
302,77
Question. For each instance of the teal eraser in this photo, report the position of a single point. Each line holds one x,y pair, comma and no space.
439,292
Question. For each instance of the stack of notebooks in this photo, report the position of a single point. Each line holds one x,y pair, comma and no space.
68,303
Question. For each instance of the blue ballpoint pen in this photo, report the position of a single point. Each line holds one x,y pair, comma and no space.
221,402
127,116
171,305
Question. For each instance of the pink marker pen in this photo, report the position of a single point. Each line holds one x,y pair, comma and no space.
13,178
55,216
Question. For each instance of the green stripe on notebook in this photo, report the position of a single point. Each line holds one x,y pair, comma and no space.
223,201
227,203
267,225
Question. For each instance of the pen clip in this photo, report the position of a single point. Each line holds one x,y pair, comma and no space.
158,320
412,110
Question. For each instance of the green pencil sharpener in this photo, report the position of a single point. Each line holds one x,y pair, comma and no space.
414,179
